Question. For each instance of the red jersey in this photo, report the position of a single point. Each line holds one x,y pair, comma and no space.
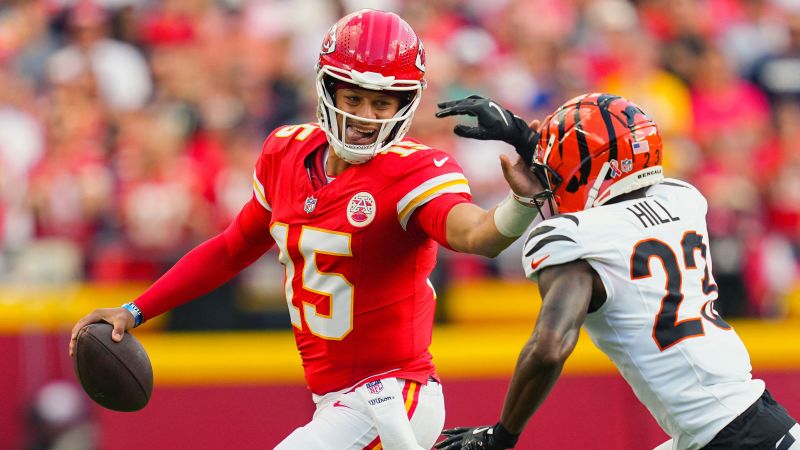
357,265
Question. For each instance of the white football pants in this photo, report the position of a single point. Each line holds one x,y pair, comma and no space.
389,414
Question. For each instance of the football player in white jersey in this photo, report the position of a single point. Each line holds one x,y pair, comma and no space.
627,257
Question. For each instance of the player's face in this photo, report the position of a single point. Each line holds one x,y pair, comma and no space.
369,105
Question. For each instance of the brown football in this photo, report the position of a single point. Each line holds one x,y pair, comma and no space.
116,375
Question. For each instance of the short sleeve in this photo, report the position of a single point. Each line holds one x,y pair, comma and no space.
431,219
552,242
427,175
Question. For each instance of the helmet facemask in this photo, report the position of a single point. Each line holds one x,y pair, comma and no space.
549,179
547,196
390,131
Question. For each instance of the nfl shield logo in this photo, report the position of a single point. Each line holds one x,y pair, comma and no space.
627,165
374,387
311,203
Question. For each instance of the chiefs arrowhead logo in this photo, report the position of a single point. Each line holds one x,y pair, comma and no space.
535,263
329,44
361,210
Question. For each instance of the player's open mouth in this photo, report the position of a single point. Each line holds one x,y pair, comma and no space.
358,135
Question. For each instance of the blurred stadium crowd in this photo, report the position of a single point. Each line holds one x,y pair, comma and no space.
129,129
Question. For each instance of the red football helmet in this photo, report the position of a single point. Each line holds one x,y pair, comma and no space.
371,50
596,147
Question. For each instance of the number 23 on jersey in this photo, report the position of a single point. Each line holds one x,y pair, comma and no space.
667,330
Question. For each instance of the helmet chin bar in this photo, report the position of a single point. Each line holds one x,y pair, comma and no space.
391,131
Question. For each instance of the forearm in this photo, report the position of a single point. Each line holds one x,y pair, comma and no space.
471,229
531,383
200,271
566,292
209,265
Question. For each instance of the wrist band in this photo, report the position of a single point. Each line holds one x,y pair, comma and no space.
505,437
527,201
137,313
512,218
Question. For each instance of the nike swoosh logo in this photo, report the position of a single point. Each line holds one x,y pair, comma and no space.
500,110
535,264
480,430
440,162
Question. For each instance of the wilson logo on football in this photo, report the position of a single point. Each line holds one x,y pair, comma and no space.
361,209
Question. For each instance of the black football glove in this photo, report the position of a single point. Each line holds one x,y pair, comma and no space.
478,438
495,123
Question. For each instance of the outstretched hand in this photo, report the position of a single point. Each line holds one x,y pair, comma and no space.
494,123
476,438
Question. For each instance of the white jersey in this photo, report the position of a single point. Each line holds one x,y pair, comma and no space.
658,324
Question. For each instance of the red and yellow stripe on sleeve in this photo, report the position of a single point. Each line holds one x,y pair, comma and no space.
427,191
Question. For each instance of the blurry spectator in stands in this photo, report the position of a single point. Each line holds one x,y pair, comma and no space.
777,73
27,39
121,72
474,53
58,419
774,265
727,108
170,22
780,172
160,206
669,20
731,126
605,26
759,30
21,146
641,79
70,187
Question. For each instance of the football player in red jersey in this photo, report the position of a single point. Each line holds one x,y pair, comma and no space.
356,210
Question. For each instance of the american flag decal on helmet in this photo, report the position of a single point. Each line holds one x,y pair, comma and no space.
640,147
